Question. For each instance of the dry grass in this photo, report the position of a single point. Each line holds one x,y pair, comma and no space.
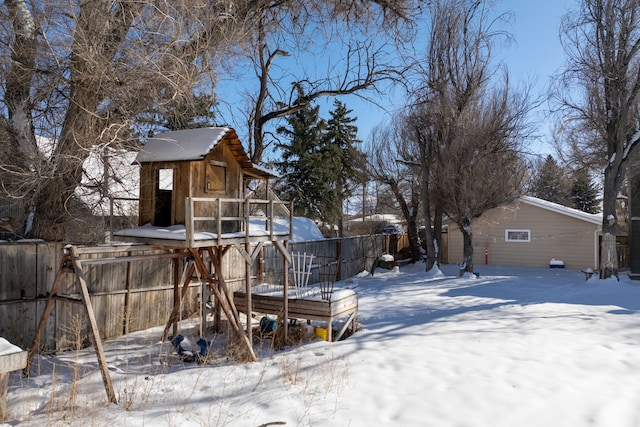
75,391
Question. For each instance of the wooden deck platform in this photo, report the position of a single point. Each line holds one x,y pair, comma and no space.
208,223
344,303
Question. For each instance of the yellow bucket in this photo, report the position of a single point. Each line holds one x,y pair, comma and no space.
321,333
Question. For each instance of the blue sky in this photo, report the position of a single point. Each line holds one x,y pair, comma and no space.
533,56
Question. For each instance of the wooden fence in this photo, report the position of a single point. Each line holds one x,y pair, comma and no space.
355,254
136,295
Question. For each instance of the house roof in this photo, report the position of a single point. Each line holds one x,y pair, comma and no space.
564,210
196,144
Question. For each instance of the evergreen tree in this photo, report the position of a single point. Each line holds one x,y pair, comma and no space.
584,194
318,162
301,162
549,182
341,158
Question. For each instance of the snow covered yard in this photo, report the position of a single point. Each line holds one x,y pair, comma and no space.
516,346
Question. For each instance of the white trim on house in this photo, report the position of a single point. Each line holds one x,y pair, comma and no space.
575,213
554,207
518,232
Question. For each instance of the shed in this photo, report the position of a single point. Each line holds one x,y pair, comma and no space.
531,232
205,162
193,202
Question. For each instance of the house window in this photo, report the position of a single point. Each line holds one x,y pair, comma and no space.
216,177
517,235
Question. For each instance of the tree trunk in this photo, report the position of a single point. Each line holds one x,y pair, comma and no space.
414,239
410,216
467,251
428,232
608,249
437,233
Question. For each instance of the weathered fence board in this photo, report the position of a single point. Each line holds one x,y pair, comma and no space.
134,295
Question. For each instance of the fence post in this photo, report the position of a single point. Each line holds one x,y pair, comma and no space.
339,258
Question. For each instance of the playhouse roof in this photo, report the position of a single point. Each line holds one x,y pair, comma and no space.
196,144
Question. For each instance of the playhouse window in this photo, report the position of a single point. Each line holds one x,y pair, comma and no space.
517,235
216,177
165,179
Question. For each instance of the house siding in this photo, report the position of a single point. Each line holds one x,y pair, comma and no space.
552,236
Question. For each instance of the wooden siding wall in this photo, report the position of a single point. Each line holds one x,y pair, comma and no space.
132,296
189,180
553,235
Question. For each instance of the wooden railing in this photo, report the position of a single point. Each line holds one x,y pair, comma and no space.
231,218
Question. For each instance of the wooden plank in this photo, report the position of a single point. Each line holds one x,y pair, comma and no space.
102,362
18,320
4,383
344,328
13,361
35,346
189,224
110,249
130,258
247,289
15,260
300,308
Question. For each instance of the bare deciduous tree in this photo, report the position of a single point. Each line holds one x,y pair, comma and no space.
76,76
80,74
391,161
600,97
359,61
471,128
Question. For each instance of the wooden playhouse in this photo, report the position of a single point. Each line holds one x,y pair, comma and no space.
192,187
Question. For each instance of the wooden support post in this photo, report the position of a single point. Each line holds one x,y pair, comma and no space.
4,383
71,258
173,317
247,286
176,294
127,301
224,296
35,346
285,286
84,291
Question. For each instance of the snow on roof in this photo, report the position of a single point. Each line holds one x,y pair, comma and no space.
266,171
564,210
391,218
189,144
304,229
196,144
